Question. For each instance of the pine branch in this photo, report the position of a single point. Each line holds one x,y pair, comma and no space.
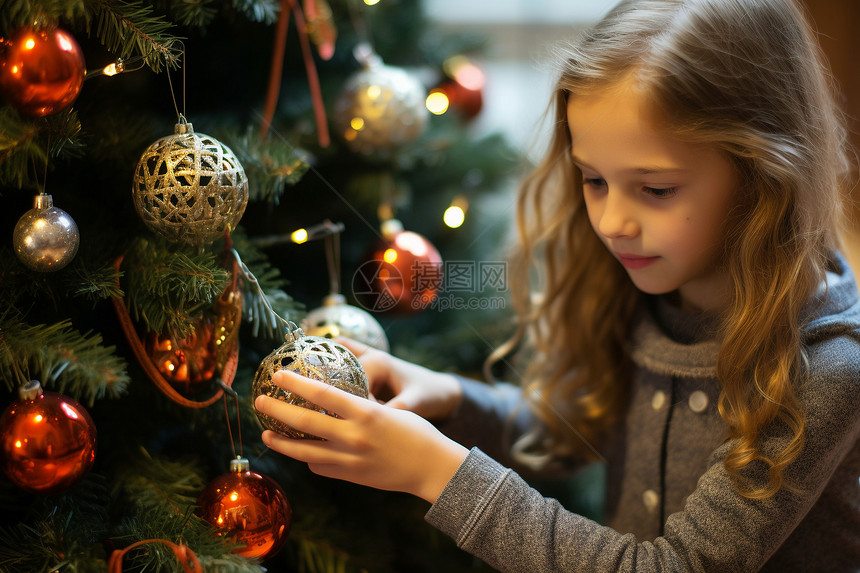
167,288
27,146
95,284
61,358
154,483
198,14
17,13
65,532
265,11
270,165
131,29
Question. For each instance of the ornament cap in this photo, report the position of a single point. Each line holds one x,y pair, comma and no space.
183,127
294,332
43,201
30,391
239,465
366,56
334,299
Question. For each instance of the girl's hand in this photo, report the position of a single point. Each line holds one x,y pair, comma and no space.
407,386
368,443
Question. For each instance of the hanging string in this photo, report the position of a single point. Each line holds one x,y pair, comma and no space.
359,24
270,315
235,395
180,116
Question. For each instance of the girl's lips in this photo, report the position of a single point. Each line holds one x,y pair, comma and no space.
635,261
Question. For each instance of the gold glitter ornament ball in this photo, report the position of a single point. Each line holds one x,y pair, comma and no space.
189,187
314,357
336,318
379,108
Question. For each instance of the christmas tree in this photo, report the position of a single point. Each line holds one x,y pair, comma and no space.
182,182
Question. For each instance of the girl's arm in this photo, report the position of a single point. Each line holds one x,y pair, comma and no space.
469,412
494,514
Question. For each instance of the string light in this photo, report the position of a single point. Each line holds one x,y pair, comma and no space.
118,67
299,236
437,102
455,214
318,231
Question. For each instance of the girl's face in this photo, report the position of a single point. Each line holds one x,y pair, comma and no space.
658,204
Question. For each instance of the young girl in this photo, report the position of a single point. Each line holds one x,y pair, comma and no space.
696,327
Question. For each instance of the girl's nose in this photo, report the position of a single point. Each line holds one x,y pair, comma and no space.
618,219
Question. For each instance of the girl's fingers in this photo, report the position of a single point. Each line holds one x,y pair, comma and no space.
354,346
326,396
301,419
308,451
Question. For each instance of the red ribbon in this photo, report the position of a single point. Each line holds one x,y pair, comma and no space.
189,561
137,346
277,69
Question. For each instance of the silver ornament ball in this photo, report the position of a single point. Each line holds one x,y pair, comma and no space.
379,108
336,318
45,238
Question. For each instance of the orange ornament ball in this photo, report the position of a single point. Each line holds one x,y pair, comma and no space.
41,71
49,440
189,363
250,508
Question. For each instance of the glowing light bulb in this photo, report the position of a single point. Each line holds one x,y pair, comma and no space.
454,216
299,236
357,123
389,256
437,102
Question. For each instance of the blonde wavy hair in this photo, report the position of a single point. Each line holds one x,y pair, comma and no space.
747,77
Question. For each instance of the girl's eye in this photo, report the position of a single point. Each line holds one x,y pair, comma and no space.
661,192
594,182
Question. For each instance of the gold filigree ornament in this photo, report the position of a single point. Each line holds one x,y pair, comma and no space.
189,187
314,357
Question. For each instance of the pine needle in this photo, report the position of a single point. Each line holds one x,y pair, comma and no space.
61,358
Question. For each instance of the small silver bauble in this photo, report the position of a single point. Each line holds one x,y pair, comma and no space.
314,357
336,318
189,187
380,107
46,238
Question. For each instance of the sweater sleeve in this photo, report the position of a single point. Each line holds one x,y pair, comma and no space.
494,514
490,417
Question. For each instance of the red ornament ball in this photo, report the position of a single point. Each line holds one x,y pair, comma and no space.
41,71
49,440
463,100
249,508
404,275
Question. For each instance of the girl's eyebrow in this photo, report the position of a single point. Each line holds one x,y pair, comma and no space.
635,170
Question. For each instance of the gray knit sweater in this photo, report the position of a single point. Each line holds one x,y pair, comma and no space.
670,504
